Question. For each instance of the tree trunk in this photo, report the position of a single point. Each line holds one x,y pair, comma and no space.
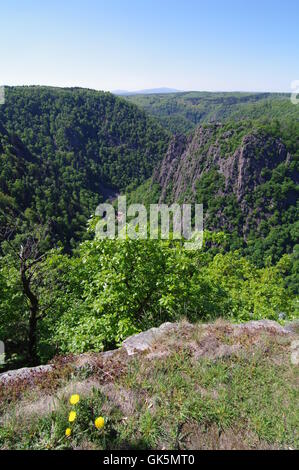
32,335
34,309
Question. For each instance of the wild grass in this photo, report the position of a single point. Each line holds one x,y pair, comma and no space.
179,401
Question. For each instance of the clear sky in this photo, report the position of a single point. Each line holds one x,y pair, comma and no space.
134,44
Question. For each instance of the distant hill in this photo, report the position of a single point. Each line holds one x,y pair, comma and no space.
149,91
63,151
182,112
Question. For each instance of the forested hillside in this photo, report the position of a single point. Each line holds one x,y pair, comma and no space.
64,291
182,112
149,236
246,176
63,151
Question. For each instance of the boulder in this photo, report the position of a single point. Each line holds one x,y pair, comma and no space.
144,341
23,374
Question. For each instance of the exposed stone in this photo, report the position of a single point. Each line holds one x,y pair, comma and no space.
188,159
266,325
208,346
24,373
293,326
81,361
144,341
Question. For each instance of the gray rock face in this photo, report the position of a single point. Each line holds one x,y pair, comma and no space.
239,172
266,325
187,159
243,170
293,326
23,374
144,341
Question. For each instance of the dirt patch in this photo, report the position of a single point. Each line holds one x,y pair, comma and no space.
223,339
40,394
124,399
45,404
199,437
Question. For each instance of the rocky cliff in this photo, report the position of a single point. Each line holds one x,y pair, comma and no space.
241,176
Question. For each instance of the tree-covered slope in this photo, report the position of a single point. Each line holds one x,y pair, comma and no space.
65,150
34,191
55,159
182,112
246,176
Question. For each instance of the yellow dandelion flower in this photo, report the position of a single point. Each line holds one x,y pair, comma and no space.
72,416
74,399
99,422
68,432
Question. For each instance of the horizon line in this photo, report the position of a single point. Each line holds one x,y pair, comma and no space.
141,90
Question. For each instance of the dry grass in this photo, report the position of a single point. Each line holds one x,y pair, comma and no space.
212,386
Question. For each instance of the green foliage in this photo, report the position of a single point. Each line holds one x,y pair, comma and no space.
250,293
54,283
78,148
63,151
182,112
111,289
13,325
260,214
131,285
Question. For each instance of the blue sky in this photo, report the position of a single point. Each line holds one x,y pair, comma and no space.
135,44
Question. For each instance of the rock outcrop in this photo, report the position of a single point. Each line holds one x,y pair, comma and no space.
24,374
148,343
144,341
239,164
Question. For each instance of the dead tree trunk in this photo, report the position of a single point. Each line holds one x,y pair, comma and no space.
32,334
34,310
29,255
